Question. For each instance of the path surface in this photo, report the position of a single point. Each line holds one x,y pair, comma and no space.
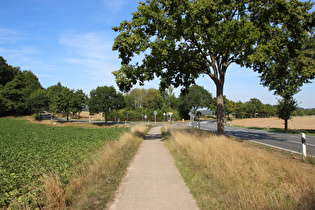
152,180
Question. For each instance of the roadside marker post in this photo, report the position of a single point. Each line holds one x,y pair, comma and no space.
303,139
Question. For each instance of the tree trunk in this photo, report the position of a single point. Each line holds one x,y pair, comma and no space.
285,125
220,110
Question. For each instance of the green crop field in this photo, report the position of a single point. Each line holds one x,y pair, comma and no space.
27,151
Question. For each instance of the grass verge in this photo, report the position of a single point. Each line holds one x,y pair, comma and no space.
222,173
307,132
97,183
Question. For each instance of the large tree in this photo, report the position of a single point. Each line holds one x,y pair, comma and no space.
184,39
64,101
38,101
285,52
104,99
286,107
16,92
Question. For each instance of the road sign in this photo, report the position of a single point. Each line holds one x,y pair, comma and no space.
170,113
198,114
145,116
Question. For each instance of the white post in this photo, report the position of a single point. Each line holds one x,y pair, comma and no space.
303,139
89,119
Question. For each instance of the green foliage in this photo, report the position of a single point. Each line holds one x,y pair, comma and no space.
310,112
294,113
284,54
16,87
104,99
197,97
285,108
301,112
187,39
29,150
64,100
7,72
254,108
38,101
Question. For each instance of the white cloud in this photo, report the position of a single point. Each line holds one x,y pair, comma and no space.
91,53
116,5
8,36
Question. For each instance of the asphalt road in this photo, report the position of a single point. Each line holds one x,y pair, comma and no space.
291,142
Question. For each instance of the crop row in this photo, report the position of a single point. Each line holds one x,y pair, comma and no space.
28,150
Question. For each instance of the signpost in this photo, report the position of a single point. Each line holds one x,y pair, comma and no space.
192,116
198,115
155,113
164,116
170,114
145,118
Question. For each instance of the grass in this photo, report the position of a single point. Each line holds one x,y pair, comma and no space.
308,132
222,173
37,159
96,186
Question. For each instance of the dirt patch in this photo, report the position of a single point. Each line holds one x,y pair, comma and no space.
297,123
75,124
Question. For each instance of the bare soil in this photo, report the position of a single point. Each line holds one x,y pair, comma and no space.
297,123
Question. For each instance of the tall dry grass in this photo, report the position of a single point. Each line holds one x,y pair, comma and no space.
224,173
98,180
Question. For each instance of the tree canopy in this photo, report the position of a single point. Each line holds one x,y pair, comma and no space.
184,39
104,99
197,97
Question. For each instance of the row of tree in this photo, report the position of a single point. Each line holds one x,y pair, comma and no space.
21,93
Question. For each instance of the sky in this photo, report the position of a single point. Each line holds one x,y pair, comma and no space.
70,41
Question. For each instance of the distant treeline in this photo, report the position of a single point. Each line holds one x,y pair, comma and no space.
22,94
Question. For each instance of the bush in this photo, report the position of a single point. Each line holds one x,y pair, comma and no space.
35,116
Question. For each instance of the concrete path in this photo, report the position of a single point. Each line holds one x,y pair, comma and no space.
152,180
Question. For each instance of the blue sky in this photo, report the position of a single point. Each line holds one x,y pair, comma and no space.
70,41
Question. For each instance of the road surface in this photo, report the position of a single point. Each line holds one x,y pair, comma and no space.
291,142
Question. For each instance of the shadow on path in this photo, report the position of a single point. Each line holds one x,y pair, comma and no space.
151,137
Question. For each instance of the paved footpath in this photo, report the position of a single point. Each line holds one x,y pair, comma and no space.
152,180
